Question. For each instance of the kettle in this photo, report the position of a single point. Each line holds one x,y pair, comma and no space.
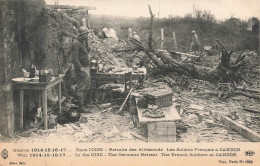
93,66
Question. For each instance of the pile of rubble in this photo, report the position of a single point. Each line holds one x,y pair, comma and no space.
102,49
95,127
54,34
195,103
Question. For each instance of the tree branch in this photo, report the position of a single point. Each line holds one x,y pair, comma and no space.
150,38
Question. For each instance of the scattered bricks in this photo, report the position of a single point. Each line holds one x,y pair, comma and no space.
161,132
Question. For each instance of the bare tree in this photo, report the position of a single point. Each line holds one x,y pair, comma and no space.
226,71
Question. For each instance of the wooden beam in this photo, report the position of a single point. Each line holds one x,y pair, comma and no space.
250,90
174,42
71,7
87,7
139,137
88,20
244,131
251,110
162,39
185,54
45,108
63,99
122,106
241,129
59,98
21,107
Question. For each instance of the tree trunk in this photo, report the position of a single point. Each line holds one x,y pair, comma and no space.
224,72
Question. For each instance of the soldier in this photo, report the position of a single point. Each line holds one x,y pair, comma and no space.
130,35
81,61
195,42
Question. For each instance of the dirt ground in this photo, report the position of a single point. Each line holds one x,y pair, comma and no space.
197,124
196,119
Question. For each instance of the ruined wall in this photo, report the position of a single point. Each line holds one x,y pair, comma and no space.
30,32
15,17
26,37
9,60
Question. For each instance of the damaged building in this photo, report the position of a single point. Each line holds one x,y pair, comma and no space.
136,93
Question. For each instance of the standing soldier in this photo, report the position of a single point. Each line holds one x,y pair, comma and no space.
80,59
130,35
194,42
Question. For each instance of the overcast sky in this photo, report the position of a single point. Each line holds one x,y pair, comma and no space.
222,9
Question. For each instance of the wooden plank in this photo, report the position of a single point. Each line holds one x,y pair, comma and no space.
118,76
44,108
59,98
172,131
39,85
244,131
71,7
162,39
174,42
251,110
185,54
161,132
250,90
88,20
241,129
139,137
63,99
151,131
122,106
54,82
87,7
21,107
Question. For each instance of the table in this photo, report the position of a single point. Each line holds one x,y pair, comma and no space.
118,75
33,84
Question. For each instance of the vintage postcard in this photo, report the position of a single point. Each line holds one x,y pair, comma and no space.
129,82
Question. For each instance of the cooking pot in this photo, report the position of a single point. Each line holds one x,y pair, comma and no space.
74,114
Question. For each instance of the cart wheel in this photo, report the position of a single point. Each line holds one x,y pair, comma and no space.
135,120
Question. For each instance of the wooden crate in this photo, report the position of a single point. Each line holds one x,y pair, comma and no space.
161,97
161,132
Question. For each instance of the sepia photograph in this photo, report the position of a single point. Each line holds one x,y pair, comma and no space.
129,78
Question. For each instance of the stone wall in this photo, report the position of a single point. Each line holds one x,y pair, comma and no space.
30,32
16,16
9,60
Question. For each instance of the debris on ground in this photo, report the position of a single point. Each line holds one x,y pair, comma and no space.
200,104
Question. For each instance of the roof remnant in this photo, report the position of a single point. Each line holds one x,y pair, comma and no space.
71,7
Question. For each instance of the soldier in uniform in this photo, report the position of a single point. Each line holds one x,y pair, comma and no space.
81,61
194,42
